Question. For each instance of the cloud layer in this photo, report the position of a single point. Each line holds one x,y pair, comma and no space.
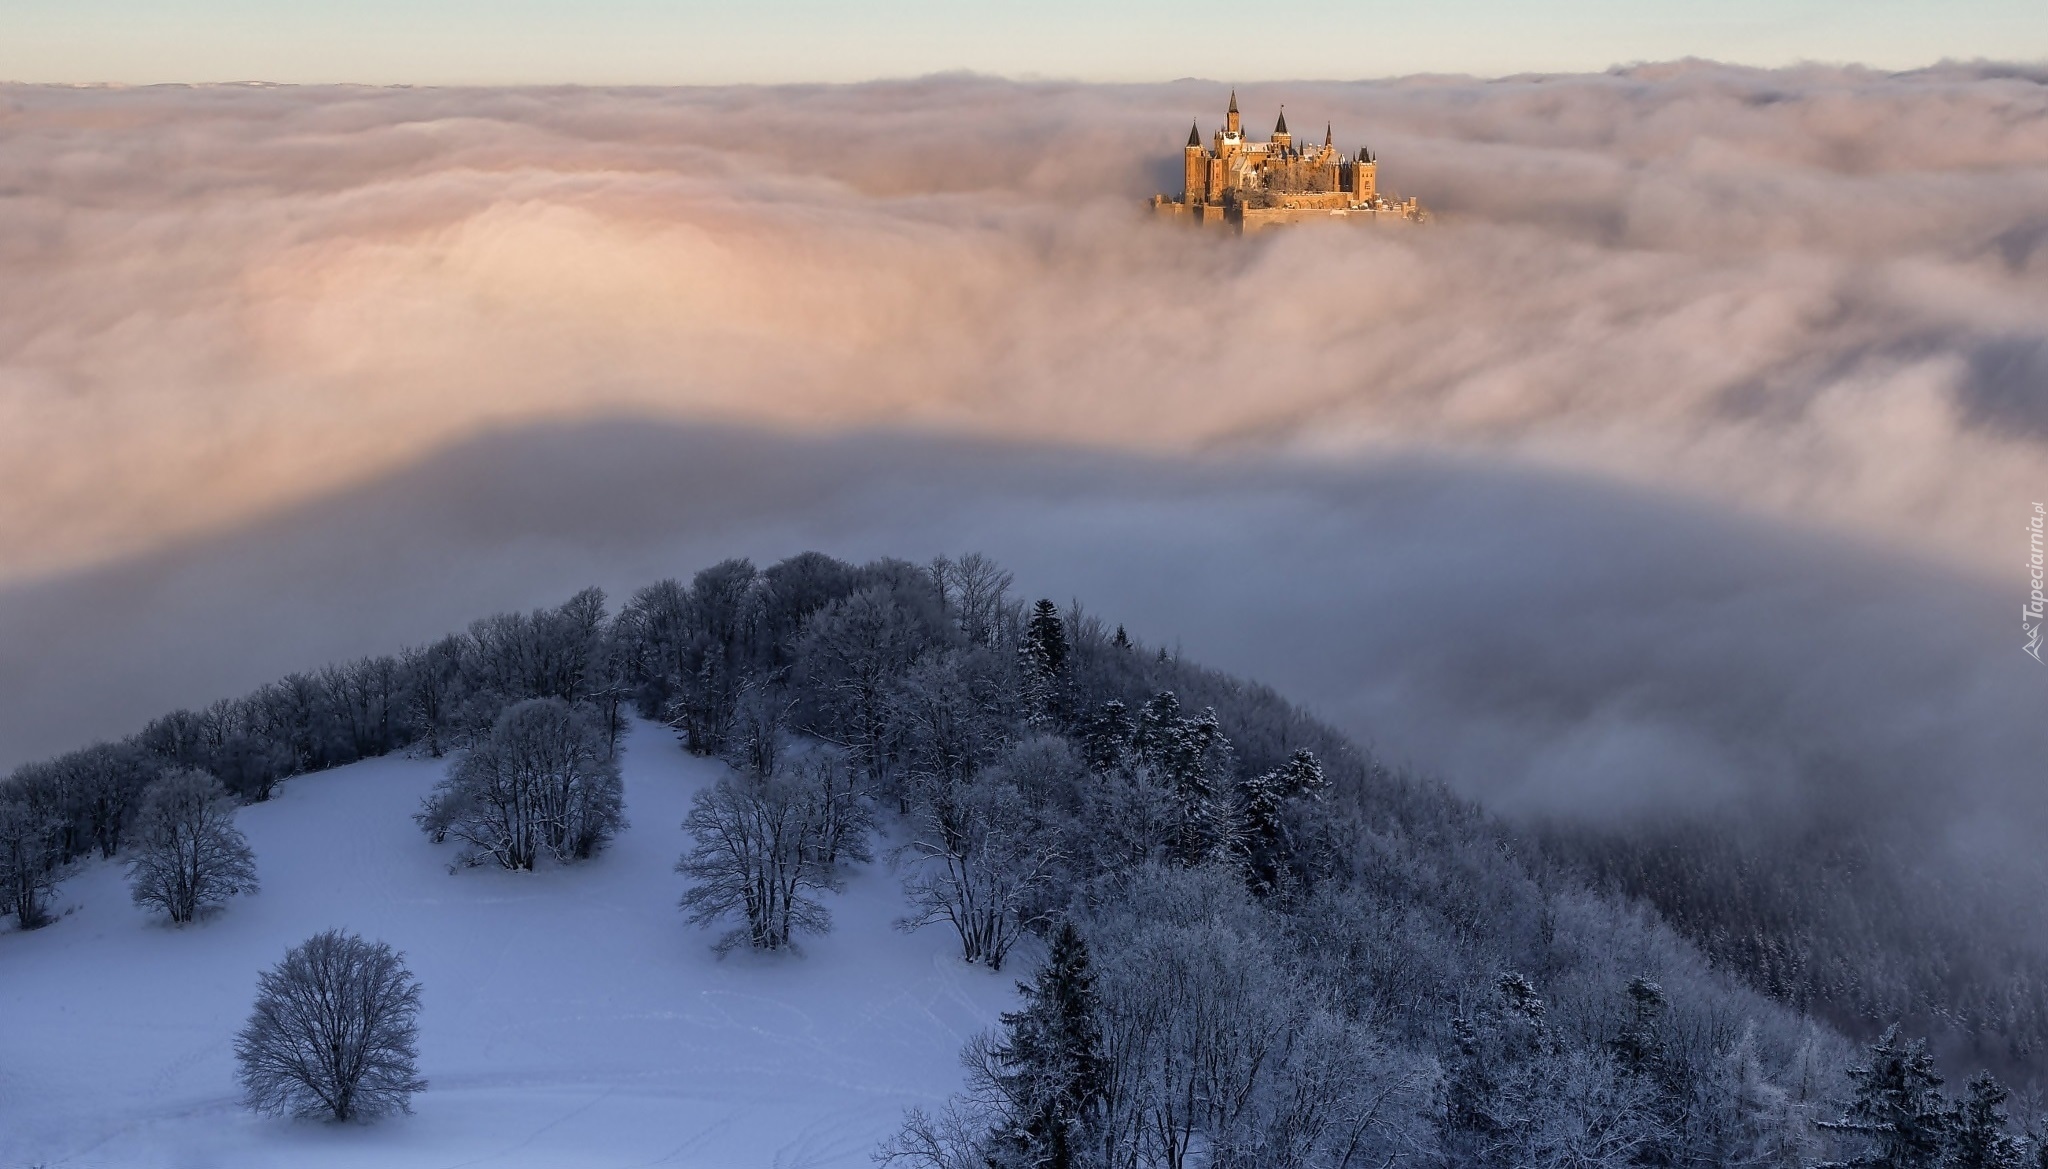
1677,474
1816,295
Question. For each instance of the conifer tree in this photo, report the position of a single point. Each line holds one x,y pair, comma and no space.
1045,665
1157,735
1261,835
1488,1079
1107,739
1980,1139
1641,1054
1638,1049
1262,838
1192,758
1048,1065
1898,1110
1301,777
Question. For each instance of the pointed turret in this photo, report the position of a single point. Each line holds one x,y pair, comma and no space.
1232,124
1281,127
1327,139
1195,136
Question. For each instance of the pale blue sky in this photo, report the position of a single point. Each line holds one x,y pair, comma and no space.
691,41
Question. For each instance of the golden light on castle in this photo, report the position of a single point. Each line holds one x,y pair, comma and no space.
1248,185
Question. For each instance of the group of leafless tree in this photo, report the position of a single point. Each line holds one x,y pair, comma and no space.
545,780
433,699
766,843
1254,945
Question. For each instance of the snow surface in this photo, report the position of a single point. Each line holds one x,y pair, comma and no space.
571,1017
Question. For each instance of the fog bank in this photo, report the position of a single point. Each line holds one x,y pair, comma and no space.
1675,477
1815,295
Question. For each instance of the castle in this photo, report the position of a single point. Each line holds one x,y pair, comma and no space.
1255,185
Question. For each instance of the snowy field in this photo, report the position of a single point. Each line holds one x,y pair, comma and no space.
571,1016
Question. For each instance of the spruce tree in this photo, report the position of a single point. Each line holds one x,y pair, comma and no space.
1045,639
1048,1065
1106,742
1261,837
1044,654
1301,777
1898,1109
1262,840
1639,1049
1981,1139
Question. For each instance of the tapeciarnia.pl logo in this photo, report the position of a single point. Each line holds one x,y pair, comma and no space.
2031,613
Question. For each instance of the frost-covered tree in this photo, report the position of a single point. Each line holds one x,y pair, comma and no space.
709,654
1192,759
760,853
845,819
1264,840
1981,1136
1036,1086
1214,1053
188,854
1516,1094
432,677
851,654
1897,1117
1133,817
975,591
545,781
29,858
1043,659
334,1032
1106,736
758,730
977,861
1046,1064
949,716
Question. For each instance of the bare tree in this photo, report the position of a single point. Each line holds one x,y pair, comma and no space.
976,592
756,736
189,855
762,849
334,1032
547,780
29,855
977,863
849,655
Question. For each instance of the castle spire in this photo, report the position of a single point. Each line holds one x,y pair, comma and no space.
1327,139
1233,101
1194,136
1282,127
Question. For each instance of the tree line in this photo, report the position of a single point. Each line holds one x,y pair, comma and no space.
1260,946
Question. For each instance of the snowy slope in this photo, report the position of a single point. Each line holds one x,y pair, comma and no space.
571,1017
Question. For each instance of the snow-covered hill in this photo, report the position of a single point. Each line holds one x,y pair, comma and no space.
572,1016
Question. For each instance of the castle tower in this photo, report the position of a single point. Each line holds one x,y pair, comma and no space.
1195,169
1364,177
1281,137
1232,124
